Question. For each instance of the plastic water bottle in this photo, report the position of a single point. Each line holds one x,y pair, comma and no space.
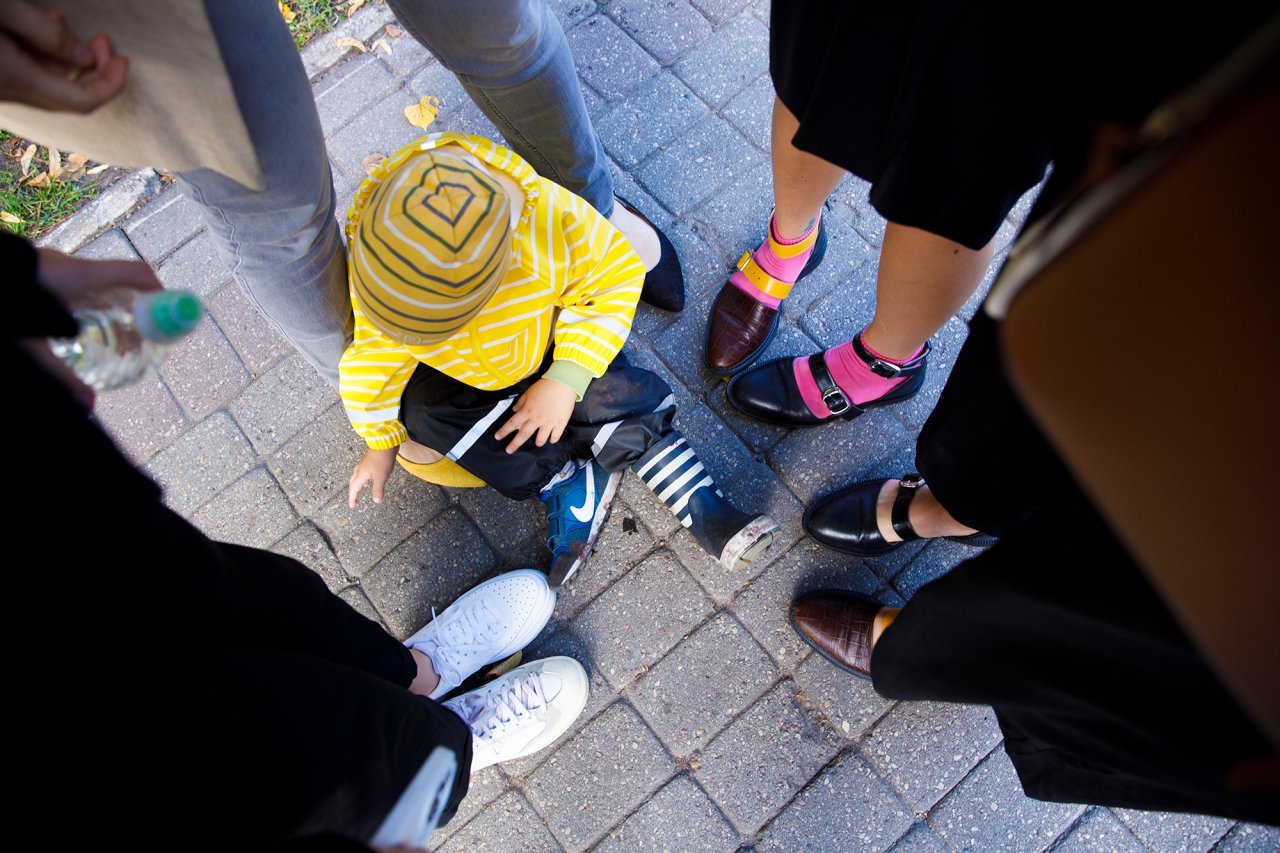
123,332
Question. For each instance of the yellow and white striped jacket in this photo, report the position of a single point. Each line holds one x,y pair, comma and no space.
574,279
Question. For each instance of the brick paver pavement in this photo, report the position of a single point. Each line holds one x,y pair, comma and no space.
710,726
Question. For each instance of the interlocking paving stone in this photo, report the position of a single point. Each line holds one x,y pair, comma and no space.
704,270
622,544
736,218
761,10
444,559
508,824
196,267
641,356
848,303
599,776
203,370
920,839
1023,206
988,811
719,11
607,59
757,765
315,465
924,748
751,111
380,129
323,53
1249,837
571,12
846,808
436,81
282,401
196,466
724,64
163,225
933,561
224,518
306,545
679,817
111,245
1098,831
853,199
639,618
482,790
256,341
470,119
349,88
367,22
821,459
1174,833
516,530
764,606
668,29
646,508
711,154
407,54
363,536
142,418
697,690
650,116
847,705
681,347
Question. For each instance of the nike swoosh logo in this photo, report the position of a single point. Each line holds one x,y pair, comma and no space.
583,513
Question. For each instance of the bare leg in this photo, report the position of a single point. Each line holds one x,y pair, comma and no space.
419,453
926,515
923,281
426,679
801,181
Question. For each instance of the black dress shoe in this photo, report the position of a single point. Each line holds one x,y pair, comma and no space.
846,520
664,284
769,392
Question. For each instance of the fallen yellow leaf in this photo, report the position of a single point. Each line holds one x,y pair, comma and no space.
422,113
39,180
55,163
394,32
354,5
348,41
287,13
76,162
27,157
98,169
6,216
382,43
371,162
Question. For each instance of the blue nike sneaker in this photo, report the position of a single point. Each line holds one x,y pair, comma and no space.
578,501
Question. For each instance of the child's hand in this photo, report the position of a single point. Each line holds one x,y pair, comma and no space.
545,409
375,467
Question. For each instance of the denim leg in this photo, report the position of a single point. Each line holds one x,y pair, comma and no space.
514,61
282,243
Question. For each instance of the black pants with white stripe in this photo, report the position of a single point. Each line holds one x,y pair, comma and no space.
624,413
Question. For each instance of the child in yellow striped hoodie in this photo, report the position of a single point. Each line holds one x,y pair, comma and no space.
491,307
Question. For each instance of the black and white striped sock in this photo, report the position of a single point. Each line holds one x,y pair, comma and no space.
672,470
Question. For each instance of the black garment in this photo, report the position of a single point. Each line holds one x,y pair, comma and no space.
1101,696
624,413
180,693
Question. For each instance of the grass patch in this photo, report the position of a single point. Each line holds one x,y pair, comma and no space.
38,208
313,18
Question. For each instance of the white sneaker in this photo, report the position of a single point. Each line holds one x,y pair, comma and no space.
488,623
523,711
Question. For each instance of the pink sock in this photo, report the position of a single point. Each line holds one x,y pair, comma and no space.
854,379
783,269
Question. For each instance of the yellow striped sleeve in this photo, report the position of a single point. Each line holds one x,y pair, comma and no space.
603,286
372,376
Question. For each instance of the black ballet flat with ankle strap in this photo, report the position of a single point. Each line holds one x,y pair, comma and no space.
846,520
769,392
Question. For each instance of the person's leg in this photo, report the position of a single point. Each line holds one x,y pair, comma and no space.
281,243
745,313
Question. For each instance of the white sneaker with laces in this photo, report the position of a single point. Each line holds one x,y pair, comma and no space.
523,711
488,623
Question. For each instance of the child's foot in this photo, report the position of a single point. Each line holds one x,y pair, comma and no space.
487,624
578,501
733,537
523,711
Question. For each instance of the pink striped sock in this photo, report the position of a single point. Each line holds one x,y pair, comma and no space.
783,269
854,379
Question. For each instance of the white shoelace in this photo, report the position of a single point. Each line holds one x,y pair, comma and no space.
494,713
461,634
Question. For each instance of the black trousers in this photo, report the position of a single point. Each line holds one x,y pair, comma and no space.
1101,696
624,413
170,691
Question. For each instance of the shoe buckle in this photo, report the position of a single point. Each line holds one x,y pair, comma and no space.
835,401
884,369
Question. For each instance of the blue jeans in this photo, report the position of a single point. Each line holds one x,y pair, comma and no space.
282,243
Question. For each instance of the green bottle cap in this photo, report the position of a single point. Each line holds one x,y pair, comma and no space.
168,315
